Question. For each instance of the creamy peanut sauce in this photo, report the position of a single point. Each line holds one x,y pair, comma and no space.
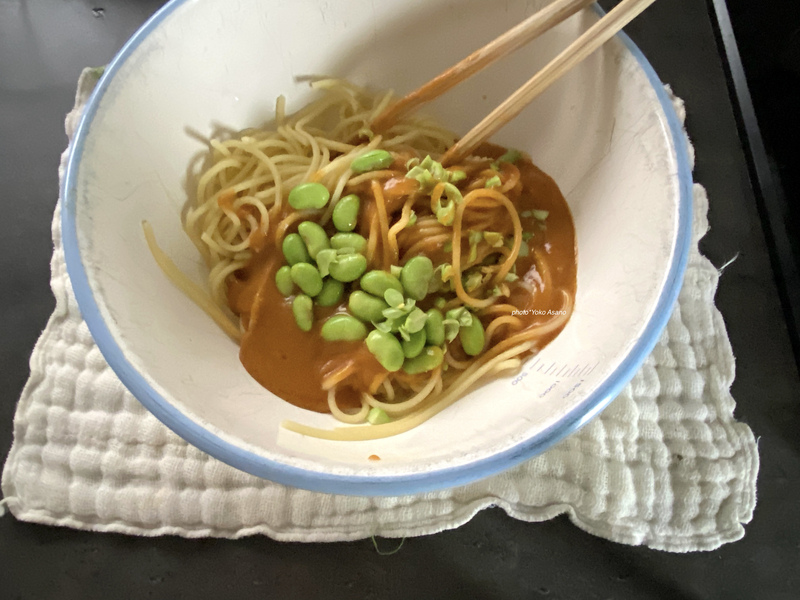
292,364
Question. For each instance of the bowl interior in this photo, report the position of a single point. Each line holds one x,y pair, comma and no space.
601,133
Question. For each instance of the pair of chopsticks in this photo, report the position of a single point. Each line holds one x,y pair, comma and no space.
512,40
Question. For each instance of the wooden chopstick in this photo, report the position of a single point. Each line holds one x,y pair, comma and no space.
511,40
591,40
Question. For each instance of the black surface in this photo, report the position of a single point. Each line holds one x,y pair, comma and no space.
44,44
763,67
769,43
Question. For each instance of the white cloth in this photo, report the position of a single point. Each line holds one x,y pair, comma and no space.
664,465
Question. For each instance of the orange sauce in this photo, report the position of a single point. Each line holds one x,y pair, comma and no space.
293,364
287,361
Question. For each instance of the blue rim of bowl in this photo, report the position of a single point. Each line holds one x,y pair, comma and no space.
414,483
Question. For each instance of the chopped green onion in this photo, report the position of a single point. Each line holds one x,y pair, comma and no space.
526,235
412,219
523,249
511,277
456,176
493,182
494,239
424,178
439,302
494,167
377,416
447,271
453,193
526,214
438,172
448,246
446,214
396,270
474,239
540,214
427,172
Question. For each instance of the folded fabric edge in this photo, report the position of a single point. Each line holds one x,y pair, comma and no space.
466,513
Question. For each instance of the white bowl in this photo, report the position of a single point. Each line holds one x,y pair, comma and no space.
607,134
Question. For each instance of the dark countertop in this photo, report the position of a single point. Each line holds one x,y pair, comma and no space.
43,46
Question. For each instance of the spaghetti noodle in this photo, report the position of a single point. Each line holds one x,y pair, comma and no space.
472,266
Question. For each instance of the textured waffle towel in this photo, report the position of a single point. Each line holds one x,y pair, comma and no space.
664,465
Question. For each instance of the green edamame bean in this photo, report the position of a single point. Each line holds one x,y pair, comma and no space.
343,328
309,195
427,360
345,213
372,161
385,347
414,346
434,328
283,280
416,275
303,310
314,237
331,294
377,282
348,267
294,249
472,337
366,307
348,240
307,278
